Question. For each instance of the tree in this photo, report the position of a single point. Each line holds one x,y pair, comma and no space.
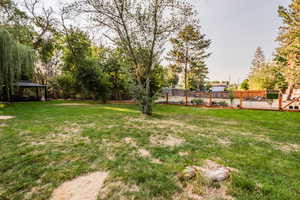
35,26
268,77
16,62
118,70
245,85
86,68
189,53
258,60
288,55
141,28
172,78
16,22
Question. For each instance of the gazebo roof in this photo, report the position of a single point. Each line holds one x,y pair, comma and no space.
29,84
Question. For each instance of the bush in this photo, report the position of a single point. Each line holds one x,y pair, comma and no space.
197,101
64,86
272,96
222,103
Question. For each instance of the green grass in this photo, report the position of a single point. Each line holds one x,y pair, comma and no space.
47,144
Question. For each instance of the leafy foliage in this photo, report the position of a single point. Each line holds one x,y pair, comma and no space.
245,85
141,28
188,54
84,66
288,55
268,77
16,63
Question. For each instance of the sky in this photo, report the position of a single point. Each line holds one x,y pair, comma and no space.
237,28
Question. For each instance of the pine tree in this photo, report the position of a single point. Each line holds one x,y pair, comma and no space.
258,61
189,54
288,55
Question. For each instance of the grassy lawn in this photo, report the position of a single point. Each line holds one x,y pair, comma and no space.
48,144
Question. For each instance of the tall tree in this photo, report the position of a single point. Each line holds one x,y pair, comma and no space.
141,28
288,55
258,60
85,67
189,53
16,62
34,25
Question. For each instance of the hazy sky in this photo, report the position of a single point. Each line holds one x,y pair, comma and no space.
237,28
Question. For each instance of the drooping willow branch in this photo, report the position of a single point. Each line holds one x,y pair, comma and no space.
16,61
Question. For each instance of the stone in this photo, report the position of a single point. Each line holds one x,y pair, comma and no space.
188,173
216,175
210,170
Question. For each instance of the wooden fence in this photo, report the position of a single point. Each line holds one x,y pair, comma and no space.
250,94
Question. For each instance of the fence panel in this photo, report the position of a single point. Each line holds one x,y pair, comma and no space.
250,94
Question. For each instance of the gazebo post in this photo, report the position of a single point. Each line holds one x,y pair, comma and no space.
37,93
46,95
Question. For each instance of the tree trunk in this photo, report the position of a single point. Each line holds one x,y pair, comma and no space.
290,91
147,102
186,68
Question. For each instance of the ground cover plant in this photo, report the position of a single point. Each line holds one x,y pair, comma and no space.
47,144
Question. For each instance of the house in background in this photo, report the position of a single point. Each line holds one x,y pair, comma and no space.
219,87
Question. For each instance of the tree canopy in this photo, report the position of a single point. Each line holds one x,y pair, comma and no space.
189,54
16,63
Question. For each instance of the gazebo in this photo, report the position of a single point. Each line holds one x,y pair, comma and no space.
29,84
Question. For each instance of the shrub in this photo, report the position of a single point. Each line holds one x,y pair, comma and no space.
222,103
197,101
272,96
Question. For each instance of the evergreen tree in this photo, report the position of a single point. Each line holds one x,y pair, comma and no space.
189,54
258,61
288,55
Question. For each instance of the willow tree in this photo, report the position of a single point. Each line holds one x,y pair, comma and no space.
16,62
141,28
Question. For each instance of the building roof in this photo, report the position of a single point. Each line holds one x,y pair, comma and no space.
219,85
29,84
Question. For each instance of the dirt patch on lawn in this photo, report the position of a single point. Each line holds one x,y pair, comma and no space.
118,190
191,192
3,125
183,153
286,147
283,146
85,187
144,153
70,128
170,124
130,141
66,134
6,117
169,141
224,141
